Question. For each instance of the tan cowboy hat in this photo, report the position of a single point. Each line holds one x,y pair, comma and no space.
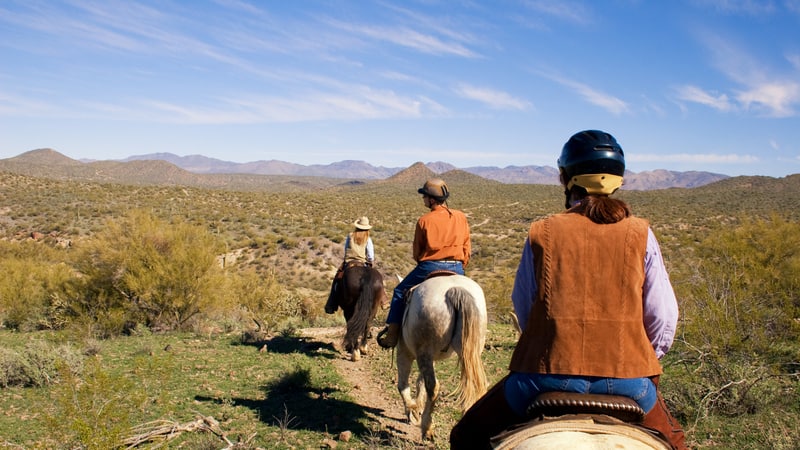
362,223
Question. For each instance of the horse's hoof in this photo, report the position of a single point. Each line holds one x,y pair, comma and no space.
355,356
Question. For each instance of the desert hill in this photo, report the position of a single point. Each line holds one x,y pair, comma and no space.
200,171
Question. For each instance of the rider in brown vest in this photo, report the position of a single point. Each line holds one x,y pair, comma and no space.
594,303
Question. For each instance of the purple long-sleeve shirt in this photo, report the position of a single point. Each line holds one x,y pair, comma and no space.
659,303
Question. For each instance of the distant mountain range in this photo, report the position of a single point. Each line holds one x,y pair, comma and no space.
198,170
360,170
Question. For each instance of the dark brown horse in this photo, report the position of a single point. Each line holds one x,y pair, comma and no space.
359,294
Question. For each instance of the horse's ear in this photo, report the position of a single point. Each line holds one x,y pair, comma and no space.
399,278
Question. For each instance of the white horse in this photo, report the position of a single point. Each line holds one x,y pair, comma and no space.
580,432
444,315
581,422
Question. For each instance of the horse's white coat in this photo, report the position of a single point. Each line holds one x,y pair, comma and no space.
578,440
444,315
580,434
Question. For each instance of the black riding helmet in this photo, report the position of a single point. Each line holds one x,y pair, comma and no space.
590,152
592,161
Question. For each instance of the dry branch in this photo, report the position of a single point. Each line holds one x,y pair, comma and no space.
166,430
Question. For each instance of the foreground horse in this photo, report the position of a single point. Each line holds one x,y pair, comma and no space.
581,421
359,295
444,315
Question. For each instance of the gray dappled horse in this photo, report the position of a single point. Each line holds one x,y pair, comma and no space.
359,294
444,315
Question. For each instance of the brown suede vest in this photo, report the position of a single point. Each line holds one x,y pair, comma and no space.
587,318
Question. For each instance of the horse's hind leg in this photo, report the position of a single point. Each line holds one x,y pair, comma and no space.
364,344
404,362
360,347
425,365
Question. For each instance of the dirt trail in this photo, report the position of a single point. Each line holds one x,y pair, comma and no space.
368,391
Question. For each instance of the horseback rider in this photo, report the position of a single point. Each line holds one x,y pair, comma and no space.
593,299
358,249
441,242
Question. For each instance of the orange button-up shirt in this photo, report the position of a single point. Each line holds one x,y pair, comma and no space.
442,234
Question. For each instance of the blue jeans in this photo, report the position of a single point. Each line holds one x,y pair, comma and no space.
522,388
415,277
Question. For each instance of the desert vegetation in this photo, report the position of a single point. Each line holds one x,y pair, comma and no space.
125,308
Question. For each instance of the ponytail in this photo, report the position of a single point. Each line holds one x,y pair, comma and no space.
602,209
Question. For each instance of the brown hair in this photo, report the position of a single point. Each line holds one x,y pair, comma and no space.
602,209
360,236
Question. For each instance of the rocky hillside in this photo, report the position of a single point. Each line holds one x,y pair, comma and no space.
658,179
196,170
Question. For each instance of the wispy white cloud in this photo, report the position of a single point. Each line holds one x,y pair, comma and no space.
406,37
794,58
447,26
748,7
358,103
568,11
608,102
694,94
12,105
761,89
775,99
492,97
792,5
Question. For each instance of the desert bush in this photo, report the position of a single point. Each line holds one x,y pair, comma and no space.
741,291
142,269
33,278
740,297
94,410
37,364
266,301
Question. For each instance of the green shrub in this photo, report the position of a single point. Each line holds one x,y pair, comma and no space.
37,364
34,278
266,301
145,270
741,292
95,410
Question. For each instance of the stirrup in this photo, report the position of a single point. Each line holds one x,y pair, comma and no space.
380,336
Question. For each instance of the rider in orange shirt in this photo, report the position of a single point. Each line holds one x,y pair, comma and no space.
441,242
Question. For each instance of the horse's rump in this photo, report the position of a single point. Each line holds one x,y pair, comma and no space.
444,315
361,294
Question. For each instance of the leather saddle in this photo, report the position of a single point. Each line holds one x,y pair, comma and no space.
552,404
439,273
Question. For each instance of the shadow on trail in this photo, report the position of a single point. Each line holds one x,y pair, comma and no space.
285,345
293,401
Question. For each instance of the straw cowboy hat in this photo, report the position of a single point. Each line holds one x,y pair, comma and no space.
362,223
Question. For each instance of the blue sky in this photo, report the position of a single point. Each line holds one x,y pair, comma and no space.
710,85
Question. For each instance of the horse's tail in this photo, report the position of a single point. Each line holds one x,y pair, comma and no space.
473,376
364,310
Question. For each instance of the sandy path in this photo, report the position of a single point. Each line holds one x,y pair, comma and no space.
370,391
